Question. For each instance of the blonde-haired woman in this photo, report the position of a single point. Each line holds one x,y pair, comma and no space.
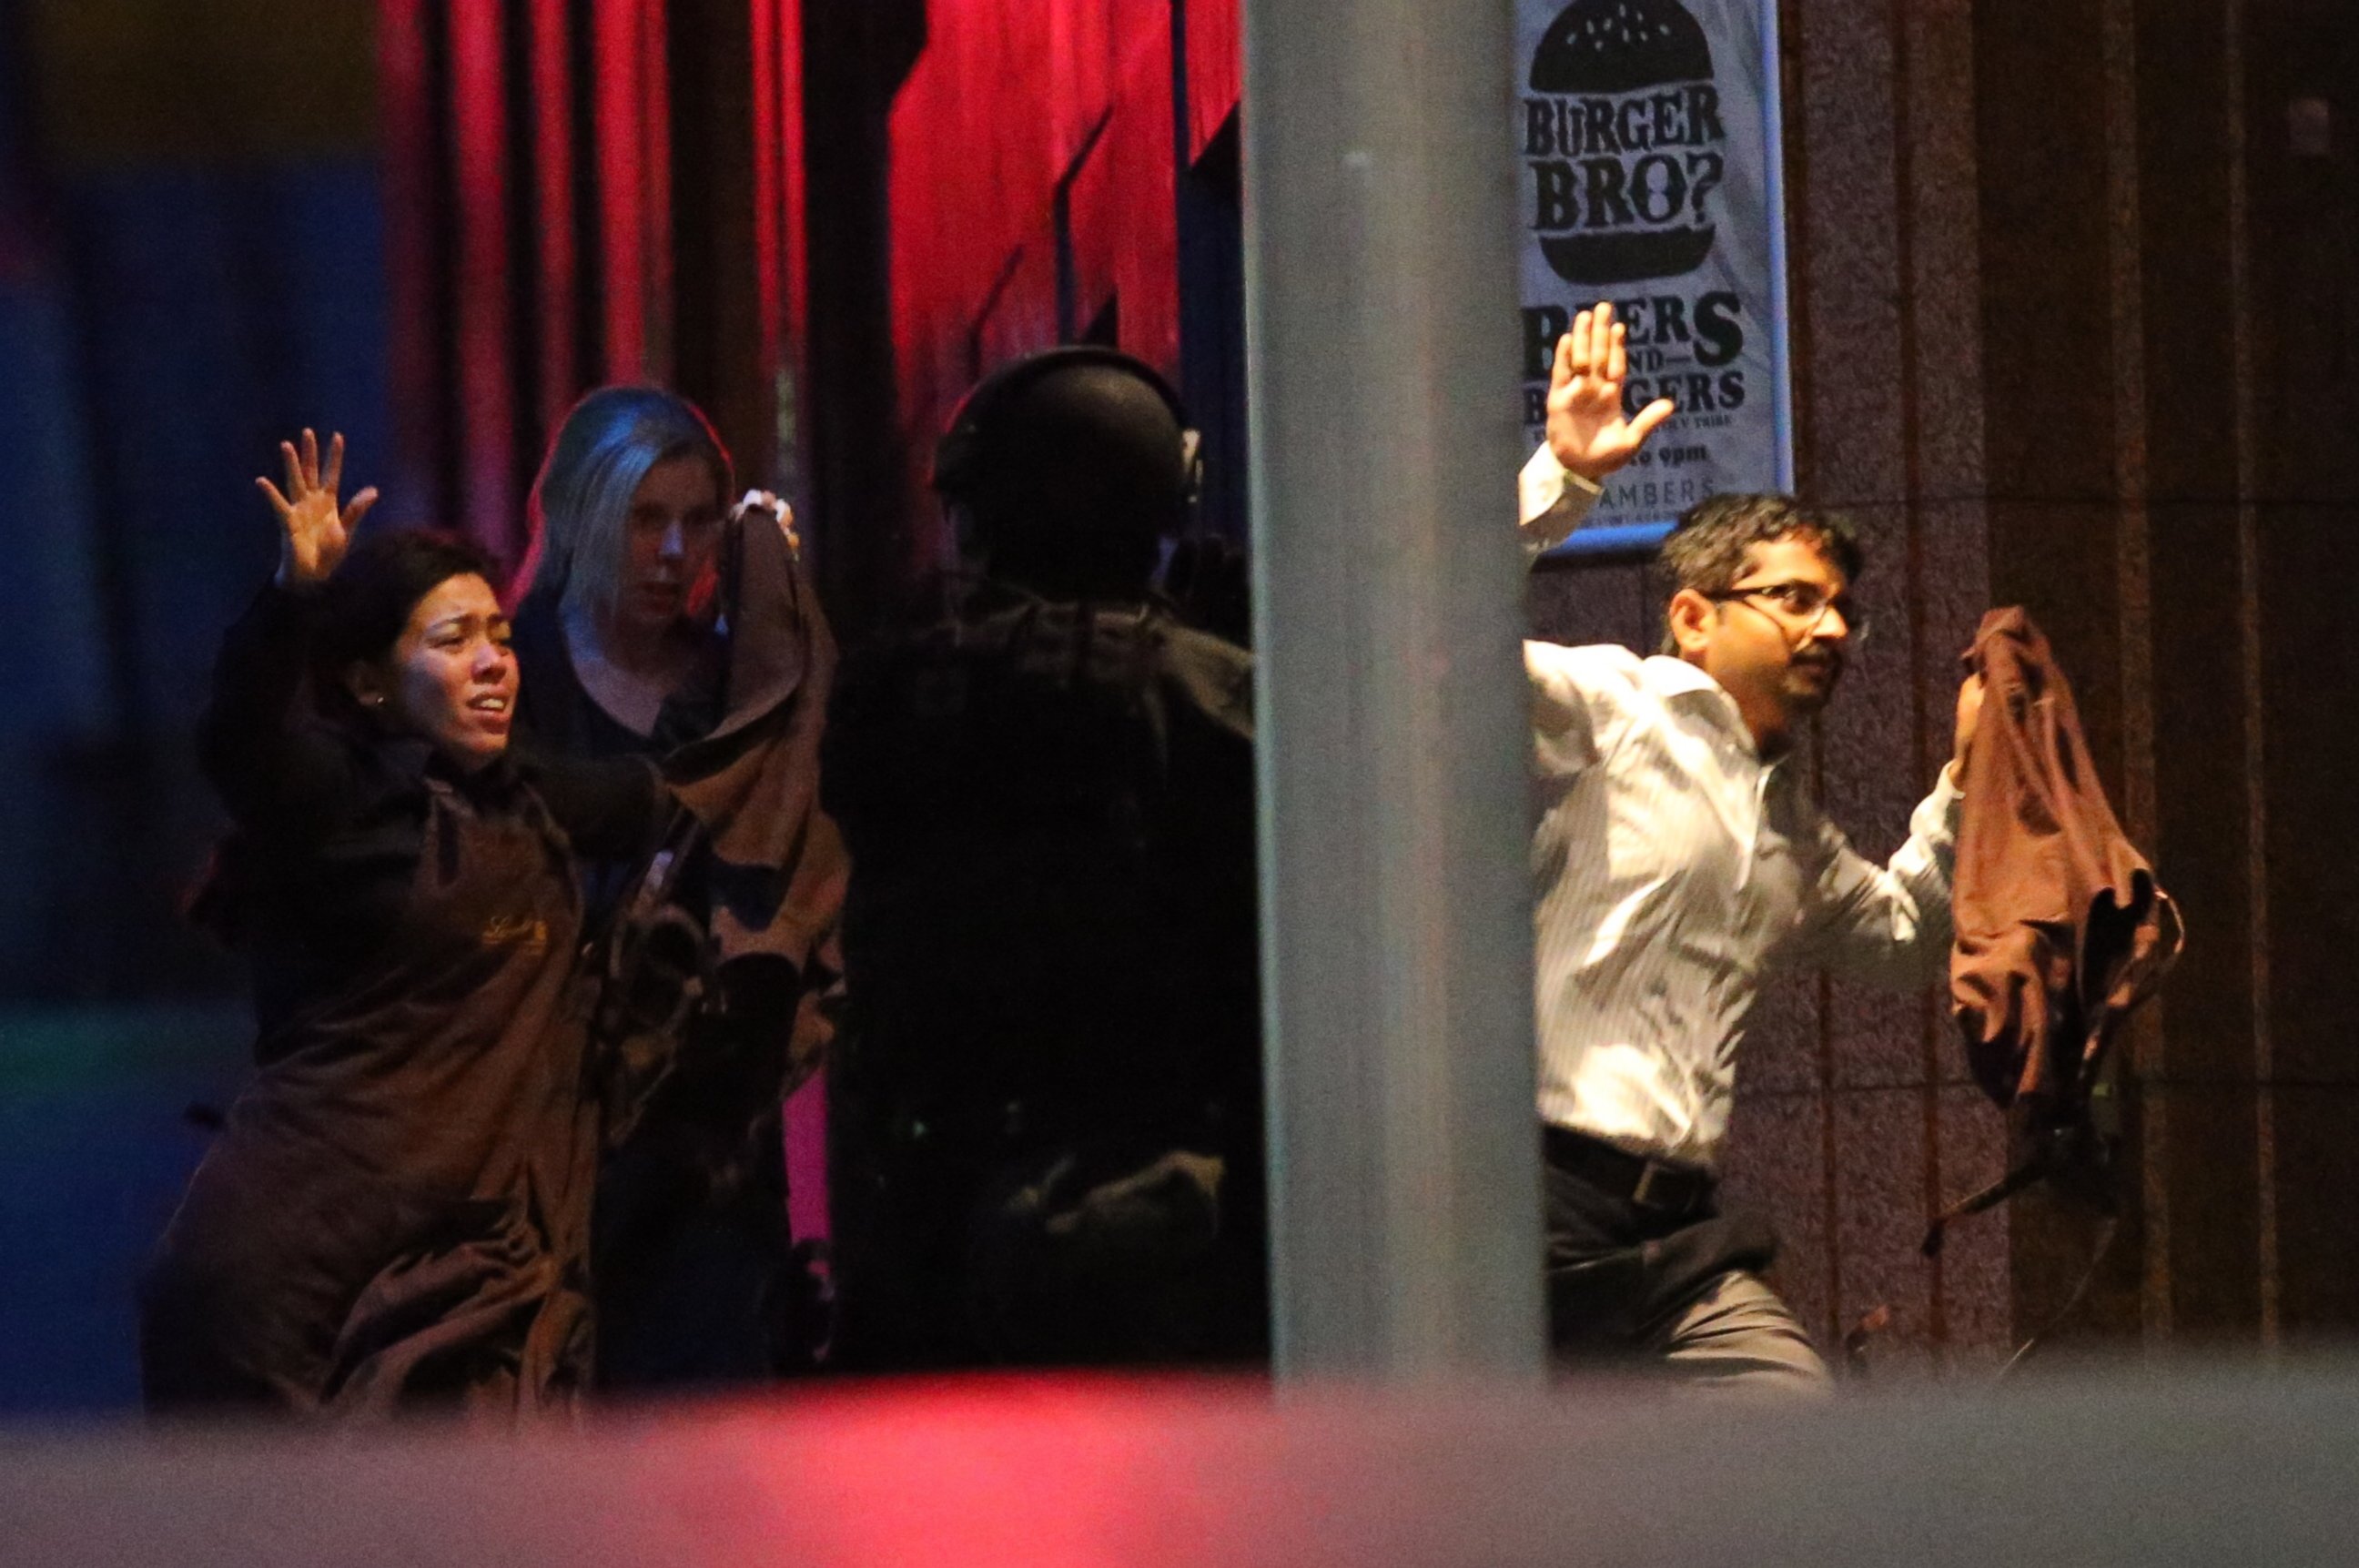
658,620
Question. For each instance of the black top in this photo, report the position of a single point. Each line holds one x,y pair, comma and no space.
557,718
563,719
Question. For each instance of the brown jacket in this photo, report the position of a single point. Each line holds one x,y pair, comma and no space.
2062,928
779,866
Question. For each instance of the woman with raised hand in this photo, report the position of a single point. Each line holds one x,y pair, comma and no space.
660,622
397,1209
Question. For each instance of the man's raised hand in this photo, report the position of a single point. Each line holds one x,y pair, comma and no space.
1969,721
316,531
1586,428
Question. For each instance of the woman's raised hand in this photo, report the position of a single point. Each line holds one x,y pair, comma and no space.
317,531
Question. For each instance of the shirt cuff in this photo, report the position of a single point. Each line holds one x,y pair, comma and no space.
1554,500
1936,817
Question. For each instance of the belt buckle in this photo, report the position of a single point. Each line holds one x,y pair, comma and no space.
1642,1194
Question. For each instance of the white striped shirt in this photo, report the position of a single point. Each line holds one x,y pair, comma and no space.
1673,867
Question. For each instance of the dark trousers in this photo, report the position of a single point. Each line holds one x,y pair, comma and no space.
1638,1284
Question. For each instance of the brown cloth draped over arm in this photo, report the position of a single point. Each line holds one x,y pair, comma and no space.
2062,928
779,866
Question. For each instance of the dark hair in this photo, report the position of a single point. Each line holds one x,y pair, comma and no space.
1707,550
358,618
368,598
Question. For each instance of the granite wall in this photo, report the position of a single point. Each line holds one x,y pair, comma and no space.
2076,294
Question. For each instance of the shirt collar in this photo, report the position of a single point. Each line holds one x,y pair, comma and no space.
1675,680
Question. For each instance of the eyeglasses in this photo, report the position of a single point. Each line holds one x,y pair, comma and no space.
1803,605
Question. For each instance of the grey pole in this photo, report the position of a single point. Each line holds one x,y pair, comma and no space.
1380,311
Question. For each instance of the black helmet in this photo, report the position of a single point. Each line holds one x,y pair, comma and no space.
1073,464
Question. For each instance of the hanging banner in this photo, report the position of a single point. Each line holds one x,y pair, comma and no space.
1648,141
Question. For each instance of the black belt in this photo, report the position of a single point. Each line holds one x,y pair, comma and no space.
1650,1184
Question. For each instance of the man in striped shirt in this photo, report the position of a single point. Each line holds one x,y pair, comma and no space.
1677,858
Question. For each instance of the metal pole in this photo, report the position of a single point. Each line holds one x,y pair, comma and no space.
1397,901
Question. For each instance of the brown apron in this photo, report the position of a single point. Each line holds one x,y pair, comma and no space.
397,1209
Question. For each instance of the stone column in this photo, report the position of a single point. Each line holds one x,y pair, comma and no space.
1397,908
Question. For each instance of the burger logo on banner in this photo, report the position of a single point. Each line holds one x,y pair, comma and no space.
1623,138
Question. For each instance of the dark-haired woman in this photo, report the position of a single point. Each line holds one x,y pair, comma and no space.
660,623
396,1210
